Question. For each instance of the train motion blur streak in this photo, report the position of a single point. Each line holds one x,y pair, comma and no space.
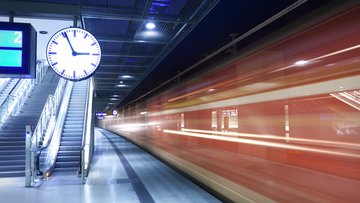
280,124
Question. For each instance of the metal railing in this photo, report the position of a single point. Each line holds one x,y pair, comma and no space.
45,138
87,144
49,150
42,133
3,83
20,92
45,126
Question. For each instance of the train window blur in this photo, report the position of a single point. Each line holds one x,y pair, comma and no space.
229,119
287,128
182,121
214,120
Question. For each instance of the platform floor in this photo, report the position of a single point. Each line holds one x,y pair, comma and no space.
120,172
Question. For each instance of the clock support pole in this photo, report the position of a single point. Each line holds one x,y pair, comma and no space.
75,21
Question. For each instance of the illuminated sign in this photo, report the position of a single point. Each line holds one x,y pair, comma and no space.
17,50
11,39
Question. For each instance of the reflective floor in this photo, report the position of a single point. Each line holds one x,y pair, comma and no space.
120,172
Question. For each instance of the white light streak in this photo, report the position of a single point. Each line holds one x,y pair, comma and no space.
337,96
277,137
301,63
264,143
318,58
135,126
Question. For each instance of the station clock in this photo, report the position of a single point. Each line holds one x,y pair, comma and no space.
73,53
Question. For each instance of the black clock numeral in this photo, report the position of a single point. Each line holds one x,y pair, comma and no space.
74,33
93,64
85,72
54,42
54,64
85,36
74,74
62,72
52,53
93,44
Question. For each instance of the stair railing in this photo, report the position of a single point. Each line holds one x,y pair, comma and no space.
14,88
20,92
87,143
42,133
8,104
3,83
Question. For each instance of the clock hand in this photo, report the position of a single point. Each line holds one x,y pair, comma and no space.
68,40
82,53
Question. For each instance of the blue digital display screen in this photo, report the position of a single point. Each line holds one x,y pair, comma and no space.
10,58
17,50
10,39
11,48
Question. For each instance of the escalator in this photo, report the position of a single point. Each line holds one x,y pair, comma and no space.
68,157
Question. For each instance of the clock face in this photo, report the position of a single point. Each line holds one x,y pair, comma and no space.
73,53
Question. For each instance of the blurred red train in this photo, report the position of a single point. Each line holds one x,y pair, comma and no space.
278,123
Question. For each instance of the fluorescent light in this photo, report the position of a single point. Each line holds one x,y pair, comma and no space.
150,34
121,85
150,25
127,76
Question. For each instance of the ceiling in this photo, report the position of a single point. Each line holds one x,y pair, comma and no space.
137,59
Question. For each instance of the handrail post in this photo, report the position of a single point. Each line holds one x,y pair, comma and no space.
86,153
82,149
28,167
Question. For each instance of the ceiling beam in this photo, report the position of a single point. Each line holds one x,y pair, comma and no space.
113,86
123,65
118,72
126,55
40,9
112,82
124,40
105,15
117,80
117,90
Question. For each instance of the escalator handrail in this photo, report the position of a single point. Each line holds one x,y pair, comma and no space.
86,144
85,115
52,147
